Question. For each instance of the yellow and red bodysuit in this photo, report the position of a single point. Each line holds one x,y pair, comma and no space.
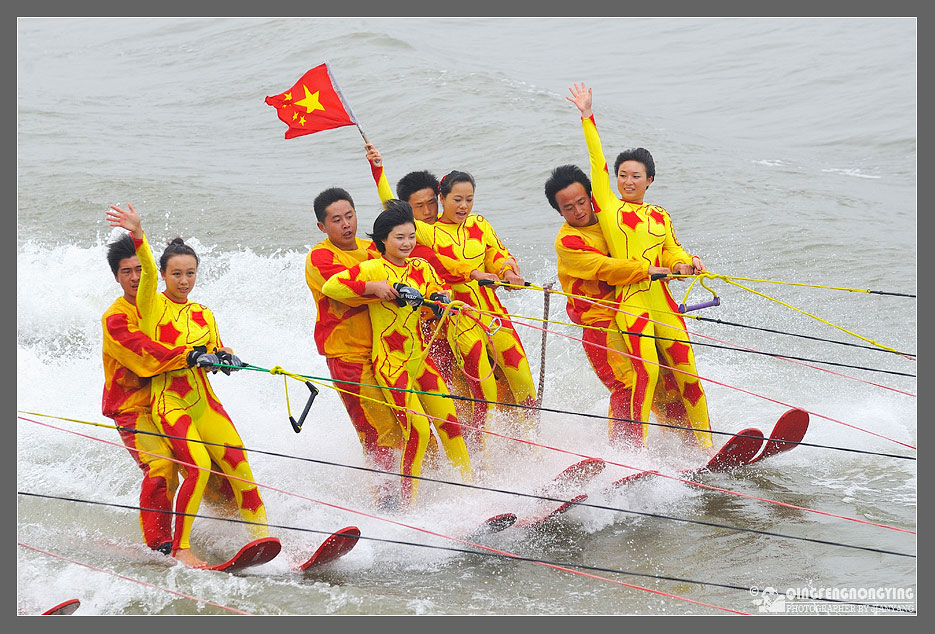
184,406
344,337
474,245
398,353
462,333
130,358
586,270
644,232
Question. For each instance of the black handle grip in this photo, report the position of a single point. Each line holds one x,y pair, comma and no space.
297,426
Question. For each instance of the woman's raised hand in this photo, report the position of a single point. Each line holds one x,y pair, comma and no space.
581,97
128,219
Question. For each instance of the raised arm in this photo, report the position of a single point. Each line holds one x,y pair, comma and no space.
379,173
146,293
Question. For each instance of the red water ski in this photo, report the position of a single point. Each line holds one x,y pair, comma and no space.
255,553
493,524
334,547
789,430
578,474
539,520
737,451
66,607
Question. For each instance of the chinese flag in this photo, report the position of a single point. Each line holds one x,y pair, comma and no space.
314,104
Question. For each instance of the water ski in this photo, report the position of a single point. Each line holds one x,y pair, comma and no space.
493,524
63,608
540,519
738,450
255,553
334,547
789,430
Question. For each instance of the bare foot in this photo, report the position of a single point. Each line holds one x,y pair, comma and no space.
188,558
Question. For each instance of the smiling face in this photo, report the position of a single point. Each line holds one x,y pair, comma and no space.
424,205
128,275
458,203
340,225
575,205
632,181
180,274
399,243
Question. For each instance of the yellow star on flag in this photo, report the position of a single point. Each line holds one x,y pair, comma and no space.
310,102
287,96
301,120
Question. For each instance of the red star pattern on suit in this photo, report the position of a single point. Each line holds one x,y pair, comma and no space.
234,456
448,251
692,392
630,218
428,382
679,352
168,333
179,428
475,233
250,500
657,216
395,342
417,276
198,316
513,357
180,386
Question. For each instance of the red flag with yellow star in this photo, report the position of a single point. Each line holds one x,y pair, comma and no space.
314,104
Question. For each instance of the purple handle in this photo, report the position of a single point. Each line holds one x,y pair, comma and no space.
713,302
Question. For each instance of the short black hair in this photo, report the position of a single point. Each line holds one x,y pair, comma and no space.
176,246
453,177
416,181
563,176
639,154
120,250
395,212
325,198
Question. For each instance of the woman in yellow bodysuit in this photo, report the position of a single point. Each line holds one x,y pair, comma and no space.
470,240
184,405
399,359
640,230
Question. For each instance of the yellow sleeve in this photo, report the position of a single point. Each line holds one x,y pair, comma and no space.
671,248
495,252
213,328
349,284
132,349
606,203
146,293
578,259
383,184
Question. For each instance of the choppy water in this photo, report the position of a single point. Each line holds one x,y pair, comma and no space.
785,150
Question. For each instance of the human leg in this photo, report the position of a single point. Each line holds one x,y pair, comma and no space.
160,477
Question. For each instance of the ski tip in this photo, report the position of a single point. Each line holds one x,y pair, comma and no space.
500,522
257,552
349,531
63,608
794,418
334,547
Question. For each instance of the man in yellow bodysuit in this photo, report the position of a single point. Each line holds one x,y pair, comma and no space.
398,350
343,333
130,359
643,231
588,274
